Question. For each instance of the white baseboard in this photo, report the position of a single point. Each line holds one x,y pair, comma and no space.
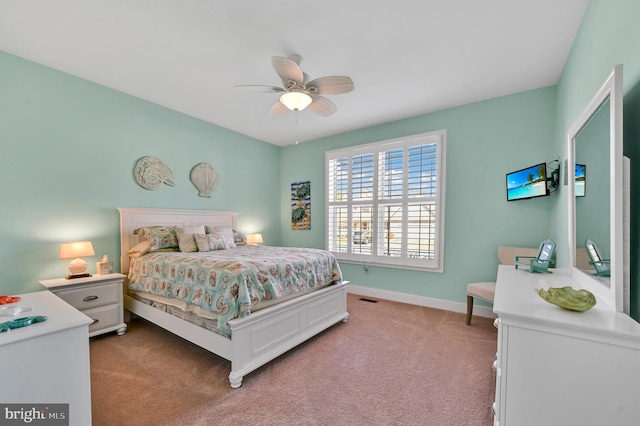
428,302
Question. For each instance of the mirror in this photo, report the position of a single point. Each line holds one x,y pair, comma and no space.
595,190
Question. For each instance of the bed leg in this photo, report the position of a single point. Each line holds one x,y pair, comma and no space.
235,379
346,318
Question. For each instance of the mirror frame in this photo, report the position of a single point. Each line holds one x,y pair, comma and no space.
616,294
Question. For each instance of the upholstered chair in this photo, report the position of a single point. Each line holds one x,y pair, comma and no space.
487,290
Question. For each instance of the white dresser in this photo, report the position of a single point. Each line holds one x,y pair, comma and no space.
47,362
99,297
556,367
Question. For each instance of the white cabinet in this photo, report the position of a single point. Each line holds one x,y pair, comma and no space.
47,362
556,367
99,297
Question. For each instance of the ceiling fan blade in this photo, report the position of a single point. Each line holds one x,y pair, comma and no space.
296,58
322,106
258,89
333,85
278,110
289,72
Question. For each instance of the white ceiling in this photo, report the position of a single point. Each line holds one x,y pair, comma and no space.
406,57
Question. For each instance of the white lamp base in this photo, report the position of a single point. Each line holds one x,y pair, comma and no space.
78,269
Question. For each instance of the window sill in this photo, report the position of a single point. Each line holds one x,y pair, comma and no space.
438,270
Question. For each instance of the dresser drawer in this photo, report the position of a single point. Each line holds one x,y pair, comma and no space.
90,297
103,317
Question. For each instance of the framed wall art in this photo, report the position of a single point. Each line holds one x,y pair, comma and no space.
301,205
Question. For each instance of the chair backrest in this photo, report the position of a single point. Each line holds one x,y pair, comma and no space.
507,254
545,252
597,261
543,259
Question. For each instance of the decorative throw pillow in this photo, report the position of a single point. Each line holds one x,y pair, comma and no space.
239,238
161,237
209,242
226,233
186,240
140,249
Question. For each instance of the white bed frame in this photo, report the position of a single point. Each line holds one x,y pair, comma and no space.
256,339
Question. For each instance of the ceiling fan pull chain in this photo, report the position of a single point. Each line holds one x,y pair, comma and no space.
297,128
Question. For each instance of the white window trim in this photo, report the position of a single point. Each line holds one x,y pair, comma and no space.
438,137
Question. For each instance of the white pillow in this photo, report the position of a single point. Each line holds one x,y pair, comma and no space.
226,233
140,249
186,241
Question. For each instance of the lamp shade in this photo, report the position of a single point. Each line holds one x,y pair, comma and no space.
253,239
295,101
77,249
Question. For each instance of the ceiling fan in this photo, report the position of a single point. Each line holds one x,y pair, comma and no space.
298,92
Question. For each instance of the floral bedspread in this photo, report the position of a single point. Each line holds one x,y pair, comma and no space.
230,282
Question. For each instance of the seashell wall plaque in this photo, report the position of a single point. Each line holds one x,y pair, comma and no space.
151,172
205,178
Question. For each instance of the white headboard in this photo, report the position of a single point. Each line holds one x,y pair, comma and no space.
133,218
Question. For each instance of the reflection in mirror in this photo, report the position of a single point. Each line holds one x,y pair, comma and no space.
592,208
600,265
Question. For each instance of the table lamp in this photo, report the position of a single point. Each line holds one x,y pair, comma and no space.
77,267
254,239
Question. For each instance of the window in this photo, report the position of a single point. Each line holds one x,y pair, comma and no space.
385,202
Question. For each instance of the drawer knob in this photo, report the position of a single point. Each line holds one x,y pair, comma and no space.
89,298
95,320
494,366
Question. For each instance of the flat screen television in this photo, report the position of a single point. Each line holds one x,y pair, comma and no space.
527,183
581,180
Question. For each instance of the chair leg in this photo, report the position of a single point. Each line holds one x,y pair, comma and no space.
469,309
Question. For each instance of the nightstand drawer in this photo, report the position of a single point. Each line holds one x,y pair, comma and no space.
90,297
103,317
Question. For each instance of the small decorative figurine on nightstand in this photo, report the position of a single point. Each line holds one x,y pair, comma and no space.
104,267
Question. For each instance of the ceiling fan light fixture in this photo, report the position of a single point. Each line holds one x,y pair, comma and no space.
295,101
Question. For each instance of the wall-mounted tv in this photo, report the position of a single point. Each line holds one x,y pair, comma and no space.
581,180
527,183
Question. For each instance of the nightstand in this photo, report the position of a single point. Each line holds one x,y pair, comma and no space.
98,297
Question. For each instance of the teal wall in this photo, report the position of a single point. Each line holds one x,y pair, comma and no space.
608,35
485,140
68,149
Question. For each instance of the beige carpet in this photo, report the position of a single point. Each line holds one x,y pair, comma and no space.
390,364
